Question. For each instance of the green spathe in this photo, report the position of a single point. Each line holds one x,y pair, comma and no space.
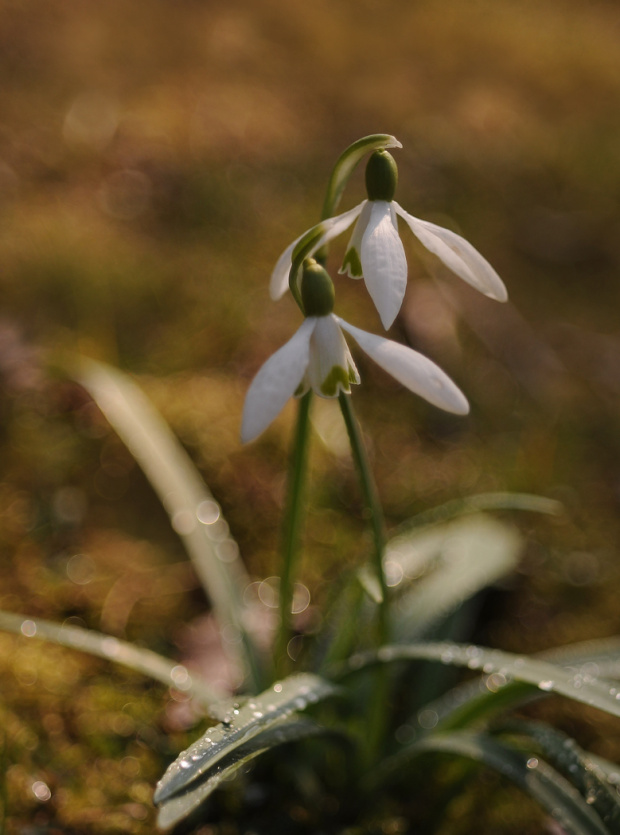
317,290
381,176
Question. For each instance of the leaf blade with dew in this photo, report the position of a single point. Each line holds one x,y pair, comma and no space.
545,785
179,806
474,702
467,555
579,768
346,164
176,481
112,649
263,712
547,677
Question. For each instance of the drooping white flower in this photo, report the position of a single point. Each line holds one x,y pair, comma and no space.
376,254
317,358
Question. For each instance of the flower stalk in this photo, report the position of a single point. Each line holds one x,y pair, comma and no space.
377,708
292,533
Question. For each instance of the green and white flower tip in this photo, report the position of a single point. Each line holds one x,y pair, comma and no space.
317,358
375,251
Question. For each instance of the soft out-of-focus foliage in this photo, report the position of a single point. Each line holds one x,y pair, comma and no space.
154,160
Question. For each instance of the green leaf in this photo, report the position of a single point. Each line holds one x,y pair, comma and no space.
346,163
176,481
577,765
112,649
450,563
502,668
179,806
242,723
535,777
481,502
474,701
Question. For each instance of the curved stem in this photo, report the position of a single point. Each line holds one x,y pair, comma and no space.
292,526
345,165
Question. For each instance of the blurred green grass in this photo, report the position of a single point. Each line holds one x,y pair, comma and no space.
154,161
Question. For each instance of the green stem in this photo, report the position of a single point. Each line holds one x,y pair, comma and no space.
292,526
377,712
374,507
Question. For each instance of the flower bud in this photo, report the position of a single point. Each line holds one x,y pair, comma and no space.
317,289
381,176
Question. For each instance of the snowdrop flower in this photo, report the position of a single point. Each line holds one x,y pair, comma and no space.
375,251
317,358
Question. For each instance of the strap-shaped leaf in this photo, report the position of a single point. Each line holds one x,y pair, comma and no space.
579,768
452,562
505,667
479,700
534,776
120,652
183,493
483,502
242,723
179,806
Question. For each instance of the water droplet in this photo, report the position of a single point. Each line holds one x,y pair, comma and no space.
546,685
532,762
29,628
207,512
428,718
495,682
185,764
180,677
277,688
41,791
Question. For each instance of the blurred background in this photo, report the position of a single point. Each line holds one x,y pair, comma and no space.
155,159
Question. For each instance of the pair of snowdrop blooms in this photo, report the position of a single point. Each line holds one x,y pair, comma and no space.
317,356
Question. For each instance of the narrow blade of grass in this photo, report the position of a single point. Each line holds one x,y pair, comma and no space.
176,481
112,649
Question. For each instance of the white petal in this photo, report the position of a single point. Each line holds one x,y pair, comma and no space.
351,264
383,261
411,369
458,255
276,382
278,283
331,368
331,228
